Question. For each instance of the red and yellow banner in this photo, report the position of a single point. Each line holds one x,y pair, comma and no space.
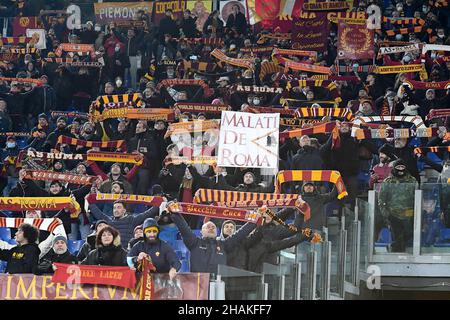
47,175
355,42
188,286
84,274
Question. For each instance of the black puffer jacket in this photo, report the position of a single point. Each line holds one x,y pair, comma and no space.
45,264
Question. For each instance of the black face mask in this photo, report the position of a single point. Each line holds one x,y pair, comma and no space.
398,173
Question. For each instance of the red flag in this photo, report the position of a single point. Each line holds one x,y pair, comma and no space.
115,276
21,24
267,9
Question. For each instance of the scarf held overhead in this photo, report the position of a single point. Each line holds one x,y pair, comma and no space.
243,63
237,199
201,107
40,203
324,112
118,144
46,175
216,212
312,175
52,225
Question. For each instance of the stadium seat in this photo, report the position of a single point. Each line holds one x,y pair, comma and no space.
384,238
168,234
5,234
2,266
444,238
74,245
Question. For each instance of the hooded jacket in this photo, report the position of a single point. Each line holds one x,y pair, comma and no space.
317,204
307,158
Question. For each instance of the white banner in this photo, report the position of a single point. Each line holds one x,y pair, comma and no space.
434,47
389,50
249,140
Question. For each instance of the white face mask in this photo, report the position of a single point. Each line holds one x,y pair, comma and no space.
118,83
97,28
256,102
441,36
433,55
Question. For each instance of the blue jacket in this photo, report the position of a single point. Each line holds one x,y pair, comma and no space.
207,254
126,224
163,256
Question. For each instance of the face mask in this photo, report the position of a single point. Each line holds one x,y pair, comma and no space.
398,37
10,145
406,59
425,10
170,74
256,102
118,83
441,36
117,49
433,55
250,100
224,174
399,8
97,29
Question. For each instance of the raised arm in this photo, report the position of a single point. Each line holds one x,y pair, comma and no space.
239,236
97,213
189,238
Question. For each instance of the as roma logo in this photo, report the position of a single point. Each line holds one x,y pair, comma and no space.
24,22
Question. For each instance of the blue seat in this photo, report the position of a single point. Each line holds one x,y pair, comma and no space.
197,232
5,234
384,238
2,266
12,241
168,234
74,245
444,238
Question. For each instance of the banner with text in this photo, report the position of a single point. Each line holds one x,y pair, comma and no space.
249,140
160,8
355,42
107,12
186,286
311,33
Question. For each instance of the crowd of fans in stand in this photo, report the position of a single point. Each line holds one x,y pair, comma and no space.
120,234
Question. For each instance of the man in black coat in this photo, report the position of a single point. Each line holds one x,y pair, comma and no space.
188,25
208,252
401,150
61,130
237,20
144,144
24,257
58,253
168,26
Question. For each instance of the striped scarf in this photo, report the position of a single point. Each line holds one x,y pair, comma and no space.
278,53
331,86
214,42
295,103
47,224
312,175
22,50
438,113
243,63
390,50
298,123
201,107
257,89
362,134
334,78
15,40
46,175
40,203
416,120
119,98
326,127
269,68
404,21
278,36
423,150
118,144
324,112
350,69
237,199
197,66
152,114
418,29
